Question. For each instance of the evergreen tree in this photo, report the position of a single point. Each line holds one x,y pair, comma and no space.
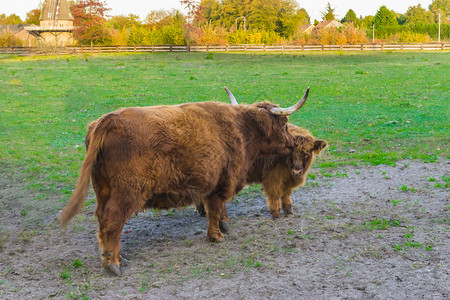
328,13
385,17
350,17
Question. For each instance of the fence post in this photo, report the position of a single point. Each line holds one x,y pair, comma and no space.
245,48
340,47
99,49
117,48
382,47
226,47
323,47
12,50
207,48
442,46
401,46
134,49
264,47
303,47
153,48
189,48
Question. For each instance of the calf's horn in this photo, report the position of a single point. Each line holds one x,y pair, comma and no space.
292,109
232,99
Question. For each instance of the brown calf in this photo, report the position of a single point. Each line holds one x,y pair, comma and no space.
281,174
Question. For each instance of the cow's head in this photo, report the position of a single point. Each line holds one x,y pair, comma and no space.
305,149
271,122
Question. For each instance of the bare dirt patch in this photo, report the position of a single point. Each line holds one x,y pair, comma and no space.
358,233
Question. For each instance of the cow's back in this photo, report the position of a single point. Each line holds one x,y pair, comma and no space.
176,152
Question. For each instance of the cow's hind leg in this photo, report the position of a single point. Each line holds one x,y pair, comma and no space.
224,221
213,207
111,222
103,194
286,202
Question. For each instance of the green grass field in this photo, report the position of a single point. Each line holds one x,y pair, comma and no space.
371,107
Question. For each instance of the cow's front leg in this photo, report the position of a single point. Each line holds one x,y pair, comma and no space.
213,207
286,203
274,206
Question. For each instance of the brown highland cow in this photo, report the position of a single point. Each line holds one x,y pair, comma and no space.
172,156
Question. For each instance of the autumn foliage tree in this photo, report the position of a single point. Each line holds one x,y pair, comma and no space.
33,16
89,20
12,19
192,8
282,17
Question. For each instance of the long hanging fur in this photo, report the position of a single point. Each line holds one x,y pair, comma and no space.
76,202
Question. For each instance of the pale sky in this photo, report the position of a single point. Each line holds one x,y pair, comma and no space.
313,7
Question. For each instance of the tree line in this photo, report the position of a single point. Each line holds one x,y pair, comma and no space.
245,22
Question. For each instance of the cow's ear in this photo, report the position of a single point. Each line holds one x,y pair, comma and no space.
264,121
319,145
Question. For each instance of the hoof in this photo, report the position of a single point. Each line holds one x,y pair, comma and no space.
115,269
215,238
224,227
276,215
287,210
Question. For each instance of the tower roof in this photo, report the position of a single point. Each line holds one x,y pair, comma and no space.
56,10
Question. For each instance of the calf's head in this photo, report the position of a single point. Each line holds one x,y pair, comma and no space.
306,147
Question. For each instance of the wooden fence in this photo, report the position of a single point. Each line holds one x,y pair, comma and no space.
223,48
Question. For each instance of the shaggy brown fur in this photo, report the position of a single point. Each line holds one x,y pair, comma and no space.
170,156
281,174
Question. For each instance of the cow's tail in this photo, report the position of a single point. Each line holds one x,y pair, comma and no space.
95,136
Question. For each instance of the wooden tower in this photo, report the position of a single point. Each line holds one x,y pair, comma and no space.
55,24
56,13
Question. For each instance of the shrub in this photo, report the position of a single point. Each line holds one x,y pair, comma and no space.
254,37
334,36
10,40
353,35
169,34
209,35
411,37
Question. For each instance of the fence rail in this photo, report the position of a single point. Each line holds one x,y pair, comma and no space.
222,48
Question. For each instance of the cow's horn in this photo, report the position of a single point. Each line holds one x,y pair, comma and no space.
292,109
232,99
